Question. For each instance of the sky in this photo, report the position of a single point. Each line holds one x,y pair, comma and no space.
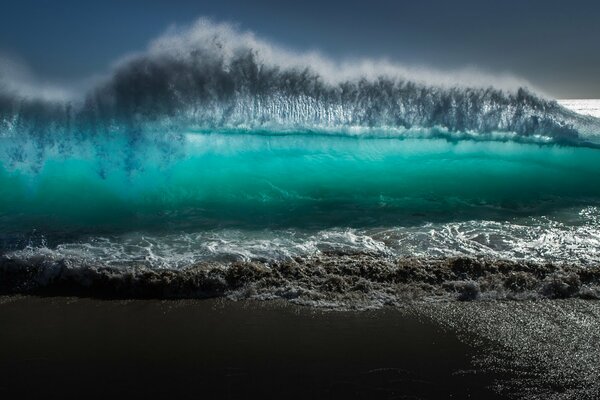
553,44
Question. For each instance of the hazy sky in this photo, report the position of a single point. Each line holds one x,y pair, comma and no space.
553,44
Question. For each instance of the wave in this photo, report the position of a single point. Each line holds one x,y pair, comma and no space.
213,77
302,180
213,129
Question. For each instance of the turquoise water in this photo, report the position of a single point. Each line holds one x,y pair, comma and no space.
298,180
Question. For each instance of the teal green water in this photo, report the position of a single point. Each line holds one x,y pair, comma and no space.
297,180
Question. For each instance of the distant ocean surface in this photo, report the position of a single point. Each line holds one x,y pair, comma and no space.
583,106
219,172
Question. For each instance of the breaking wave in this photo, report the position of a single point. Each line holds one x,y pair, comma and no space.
218,164
214,77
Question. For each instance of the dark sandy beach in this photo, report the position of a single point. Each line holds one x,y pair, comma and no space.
69,347
65,347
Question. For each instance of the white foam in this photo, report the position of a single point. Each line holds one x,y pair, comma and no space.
573,237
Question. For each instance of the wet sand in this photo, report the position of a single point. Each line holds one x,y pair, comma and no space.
219,349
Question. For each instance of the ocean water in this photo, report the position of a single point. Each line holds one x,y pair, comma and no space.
589,107
245,196
218,171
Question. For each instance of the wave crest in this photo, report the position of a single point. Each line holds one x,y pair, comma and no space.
213,76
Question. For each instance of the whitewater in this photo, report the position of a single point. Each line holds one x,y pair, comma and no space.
217,164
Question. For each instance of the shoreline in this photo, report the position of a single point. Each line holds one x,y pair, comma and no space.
335,281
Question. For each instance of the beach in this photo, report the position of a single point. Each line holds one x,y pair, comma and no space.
77,347
85,348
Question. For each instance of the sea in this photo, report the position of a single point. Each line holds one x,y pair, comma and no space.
221,170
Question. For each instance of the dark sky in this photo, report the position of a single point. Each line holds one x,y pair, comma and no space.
553,44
